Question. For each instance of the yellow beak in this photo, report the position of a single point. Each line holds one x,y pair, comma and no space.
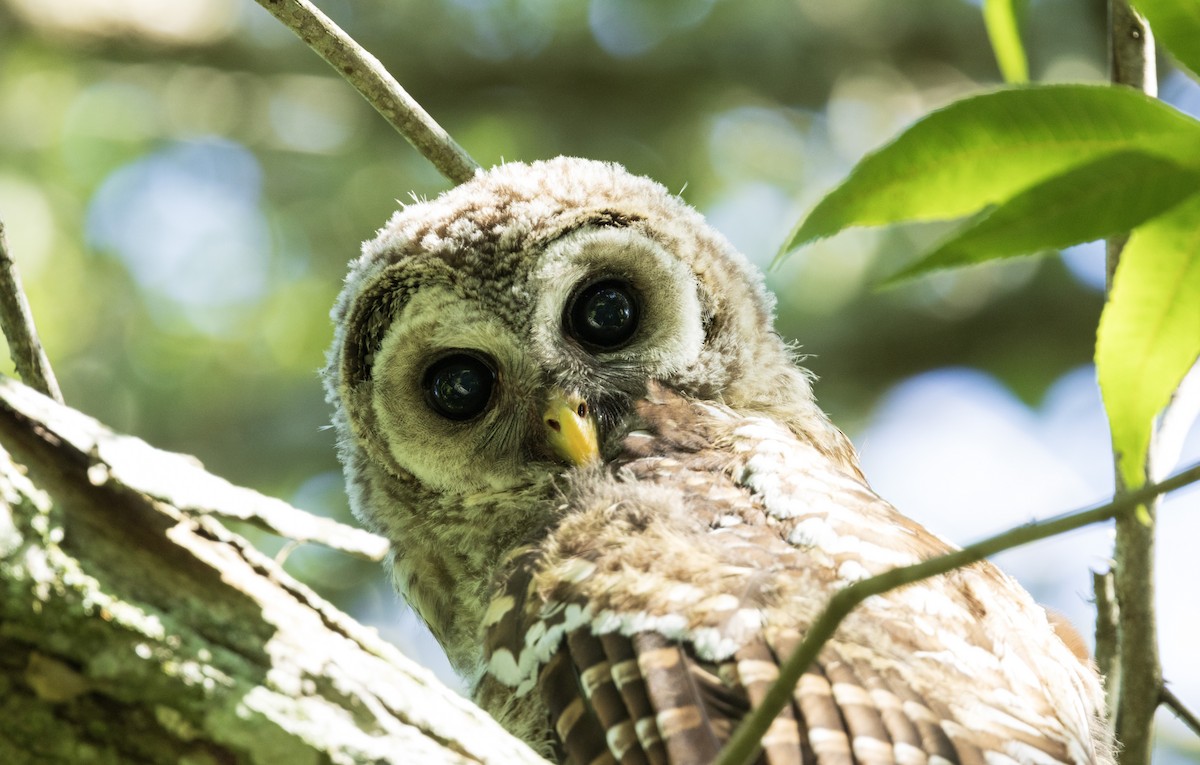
570,429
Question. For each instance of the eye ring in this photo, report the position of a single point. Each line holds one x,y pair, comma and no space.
459,385
603,314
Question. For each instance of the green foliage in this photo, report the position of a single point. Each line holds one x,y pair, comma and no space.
1002,18
987,149
1046,167
1176,25
1106,196
1150,330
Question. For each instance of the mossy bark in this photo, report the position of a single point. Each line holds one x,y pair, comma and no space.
132,631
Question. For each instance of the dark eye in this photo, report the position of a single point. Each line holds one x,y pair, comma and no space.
603,315
459,386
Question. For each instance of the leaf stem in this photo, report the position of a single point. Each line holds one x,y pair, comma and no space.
744,744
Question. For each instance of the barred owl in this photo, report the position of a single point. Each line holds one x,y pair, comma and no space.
615,502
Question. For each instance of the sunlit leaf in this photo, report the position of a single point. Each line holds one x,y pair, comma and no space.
1109,195
1149,333
1176,25
1000,17
983,150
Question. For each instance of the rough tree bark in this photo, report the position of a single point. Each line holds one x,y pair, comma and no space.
135,628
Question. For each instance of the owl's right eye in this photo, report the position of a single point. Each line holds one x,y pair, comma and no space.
458,386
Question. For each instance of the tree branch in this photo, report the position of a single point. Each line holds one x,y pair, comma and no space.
1130,63
17,322
181,481
744,744
1140,671
1187,716
374,83
132,631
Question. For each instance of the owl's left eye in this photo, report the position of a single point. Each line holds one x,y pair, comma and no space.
603,315
459,386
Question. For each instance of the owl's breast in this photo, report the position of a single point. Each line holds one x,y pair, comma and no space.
709,532
702,558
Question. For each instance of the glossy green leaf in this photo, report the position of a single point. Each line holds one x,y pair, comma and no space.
1001,19
1176,26
1149,333
983,150
1109,195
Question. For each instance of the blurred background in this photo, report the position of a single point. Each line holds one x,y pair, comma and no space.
183,185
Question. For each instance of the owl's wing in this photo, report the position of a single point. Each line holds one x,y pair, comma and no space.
646,698
658,612
649,698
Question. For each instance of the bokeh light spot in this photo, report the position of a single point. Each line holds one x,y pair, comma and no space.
628,28
312,114
182,21
185,221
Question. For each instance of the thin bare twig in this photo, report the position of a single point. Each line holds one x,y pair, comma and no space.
17,321
744,744
1132,65
369,78
1185,715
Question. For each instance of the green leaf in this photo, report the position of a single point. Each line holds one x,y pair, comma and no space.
1109,195
1000,17
1176,25
983,150
1149,335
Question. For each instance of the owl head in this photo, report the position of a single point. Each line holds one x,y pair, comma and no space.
491,338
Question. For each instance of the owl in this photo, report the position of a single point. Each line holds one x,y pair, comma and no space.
615,502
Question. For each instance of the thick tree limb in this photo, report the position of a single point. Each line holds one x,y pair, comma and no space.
133,631
374,83
179,480
17,322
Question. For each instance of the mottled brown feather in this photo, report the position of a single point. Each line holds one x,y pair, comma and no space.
631,685
901,730
596,679
786,741
934,741
869,739
571,716
681,713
